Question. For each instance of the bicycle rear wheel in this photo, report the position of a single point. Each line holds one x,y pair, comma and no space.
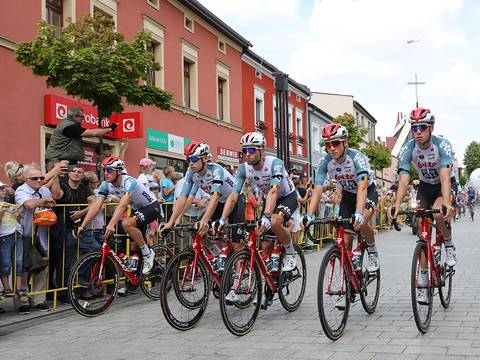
292,284
445,288
151,283
333,294
369,285
184,291
92,293
245,283
422,311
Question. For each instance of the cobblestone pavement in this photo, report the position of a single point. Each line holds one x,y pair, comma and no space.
137,327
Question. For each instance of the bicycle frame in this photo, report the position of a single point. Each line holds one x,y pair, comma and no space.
425,234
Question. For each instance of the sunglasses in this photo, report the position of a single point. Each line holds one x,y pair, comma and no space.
193,159
109,169
334,144
421,128
250,150
37,178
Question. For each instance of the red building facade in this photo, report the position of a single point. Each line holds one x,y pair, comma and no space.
202,66
259,108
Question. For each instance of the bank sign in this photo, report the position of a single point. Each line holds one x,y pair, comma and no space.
166,142
129,124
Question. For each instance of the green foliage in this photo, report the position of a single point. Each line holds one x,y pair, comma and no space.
378,155
471,158
355,133
462,180
90,60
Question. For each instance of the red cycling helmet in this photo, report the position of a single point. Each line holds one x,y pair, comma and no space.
334,131
196,148
421,116
113,162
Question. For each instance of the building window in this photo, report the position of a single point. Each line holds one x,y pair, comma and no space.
55,12
107,8
298,98
222,47
258,74
188,23
187,84
316,138
223,98
259,104
290,121
190,76
154,3
299,122
156,32
357,117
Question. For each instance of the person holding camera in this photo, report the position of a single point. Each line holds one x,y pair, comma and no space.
66,141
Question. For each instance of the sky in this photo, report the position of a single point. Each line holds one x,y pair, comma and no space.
359,47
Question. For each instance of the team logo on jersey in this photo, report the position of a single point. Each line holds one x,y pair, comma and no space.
256,178
421,157
339,169
431,156
425,164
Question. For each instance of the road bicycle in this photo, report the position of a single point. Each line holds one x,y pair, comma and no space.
95,277
189,278
432,258
243,274
339,281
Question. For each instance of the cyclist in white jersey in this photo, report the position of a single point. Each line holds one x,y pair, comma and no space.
432,158
271,177
350,169
145,207
214,180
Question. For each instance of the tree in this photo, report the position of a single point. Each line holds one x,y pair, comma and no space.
378,155
471,158
355,132
90,60
462,180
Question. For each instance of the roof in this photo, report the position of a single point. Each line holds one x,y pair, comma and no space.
317,109
272,68
215,21
357,104
326,93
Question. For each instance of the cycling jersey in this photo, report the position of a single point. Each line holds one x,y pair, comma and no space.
471,197
140,196
272,173
428,162
215,180
348,173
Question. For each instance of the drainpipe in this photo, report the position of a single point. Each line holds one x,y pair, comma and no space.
309,146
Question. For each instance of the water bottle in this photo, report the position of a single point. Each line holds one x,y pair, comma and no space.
123,257
134,262
437,254
222,258
274,259
357,259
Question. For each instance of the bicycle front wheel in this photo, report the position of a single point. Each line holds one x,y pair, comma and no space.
240,293
333,294
421,294
151,283
184,291
292,284
90,291
369,286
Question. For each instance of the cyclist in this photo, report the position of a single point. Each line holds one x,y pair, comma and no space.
471,200
213,179
145,207
268,173
432,158
460,204
351,170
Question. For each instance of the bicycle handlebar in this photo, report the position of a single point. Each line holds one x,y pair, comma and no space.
330,221
418,213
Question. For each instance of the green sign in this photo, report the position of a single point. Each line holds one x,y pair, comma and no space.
166,142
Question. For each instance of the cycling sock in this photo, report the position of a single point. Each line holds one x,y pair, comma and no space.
289,249
145,250
423,276
448,242
372,248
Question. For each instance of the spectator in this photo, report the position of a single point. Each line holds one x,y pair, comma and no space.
147,166
73,191
108,151
92,236
251,202
11,250
30,196
66,141
14,172
199,204
168,187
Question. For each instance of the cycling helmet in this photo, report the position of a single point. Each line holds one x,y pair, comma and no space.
334,131
252,139
421,116
196,148
114,162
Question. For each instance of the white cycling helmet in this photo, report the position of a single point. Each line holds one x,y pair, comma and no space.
252,139
114,162
334,131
